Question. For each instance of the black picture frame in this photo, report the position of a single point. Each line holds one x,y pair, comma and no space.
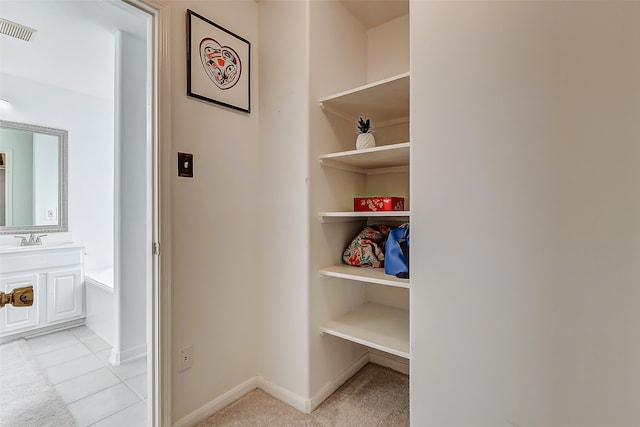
218,64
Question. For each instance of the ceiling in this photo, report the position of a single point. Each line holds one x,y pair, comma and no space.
376,12
73,47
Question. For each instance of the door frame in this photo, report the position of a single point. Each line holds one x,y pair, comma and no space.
158,297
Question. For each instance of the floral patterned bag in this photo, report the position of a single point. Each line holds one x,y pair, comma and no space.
367,248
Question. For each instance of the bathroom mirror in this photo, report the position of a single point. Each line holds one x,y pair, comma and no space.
33,179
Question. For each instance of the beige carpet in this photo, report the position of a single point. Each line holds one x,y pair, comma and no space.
375,396
27,399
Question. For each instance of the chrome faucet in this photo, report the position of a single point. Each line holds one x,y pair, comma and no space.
32,241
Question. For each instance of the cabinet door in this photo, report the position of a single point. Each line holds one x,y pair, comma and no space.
64,295
12,318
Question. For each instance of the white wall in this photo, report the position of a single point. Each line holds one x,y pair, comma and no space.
283,292
73,92
89,121
332,29
388,49
217,225
526,224
133,198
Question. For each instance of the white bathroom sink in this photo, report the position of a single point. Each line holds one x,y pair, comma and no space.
47,256
44,245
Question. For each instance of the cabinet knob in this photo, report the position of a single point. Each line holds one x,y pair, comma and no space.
19,297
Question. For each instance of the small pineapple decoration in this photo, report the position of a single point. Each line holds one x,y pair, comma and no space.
365,137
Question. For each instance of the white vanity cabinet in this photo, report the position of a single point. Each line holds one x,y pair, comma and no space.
14,319
64,294
56,273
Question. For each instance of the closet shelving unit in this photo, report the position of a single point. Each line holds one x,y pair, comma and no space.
368,275
355,216
377,326
386,102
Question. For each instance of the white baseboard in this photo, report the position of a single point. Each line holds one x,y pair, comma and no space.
392,361
135,353
217,404
301,404
284,395
333,385
42,331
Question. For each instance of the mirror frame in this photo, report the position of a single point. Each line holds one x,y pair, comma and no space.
63,161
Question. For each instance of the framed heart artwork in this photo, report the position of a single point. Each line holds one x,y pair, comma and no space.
217,64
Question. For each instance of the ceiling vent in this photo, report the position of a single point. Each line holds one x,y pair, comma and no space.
18,31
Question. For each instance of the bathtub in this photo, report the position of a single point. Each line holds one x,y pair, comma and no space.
101,278
100,303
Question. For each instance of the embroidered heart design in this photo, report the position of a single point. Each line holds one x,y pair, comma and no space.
221,63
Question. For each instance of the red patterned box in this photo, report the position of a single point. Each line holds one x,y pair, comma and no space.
378,203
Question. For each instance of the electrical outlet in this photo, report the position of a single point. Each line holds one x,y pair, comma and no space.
185,358
51,215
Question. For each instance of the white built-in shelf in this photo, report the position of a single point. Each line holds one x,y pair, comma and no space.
364,274
377,326
386,102
357,216
369,161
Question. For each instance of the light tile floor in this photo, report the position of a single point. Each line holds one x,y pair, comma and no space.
97,394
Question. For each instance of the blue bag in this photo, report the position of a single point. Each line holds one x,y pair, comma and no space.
396,252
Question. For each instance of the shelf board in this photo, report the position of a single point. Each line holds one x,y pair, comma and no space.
374,325
357,216
362,274
384,158
385,101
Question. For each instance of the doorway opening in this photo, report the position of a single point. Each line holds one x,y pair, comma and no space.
99,366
